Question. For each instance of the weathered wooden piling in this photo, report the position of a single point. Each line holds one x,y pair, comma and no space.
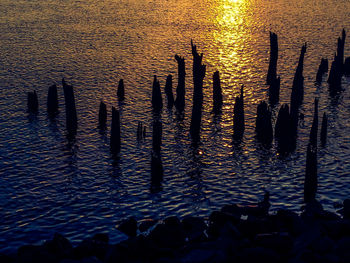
198,76
52,100
274,91
141,131
314,127
121,90
169,91
180,90
115,141
32,102
71,112
157,101
238,117
337,67
157,173
263,125
272,71
102,115
217,93
324,129
283,131
297,94
310,183
157,136
322,69
347,66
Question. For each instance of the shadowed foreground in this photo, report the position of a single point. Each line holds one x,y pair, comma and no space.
233,234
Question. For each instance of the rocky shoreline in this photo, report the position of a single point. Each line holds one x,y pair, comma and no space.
231,234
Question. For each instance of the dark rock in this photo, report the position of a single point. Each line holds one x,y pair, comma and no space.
128,227
258,254
6,259
146,224
101,238
194,228
323,245
59,246
217,221
35,254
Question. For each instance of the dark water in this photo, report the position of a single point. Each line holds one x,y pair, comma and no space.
49,185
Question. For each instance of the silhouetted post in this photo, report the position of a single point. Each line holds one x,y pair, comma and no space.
157,136
272,71
157,102
297,94
71,112
156,173
322,69
121,90
217,93
169,91
310,183
180,90
32,102
115,132
52,100
283,131
324,129
274,91
314,127
347,66
102,115
263,125
238,117
198,76
337,67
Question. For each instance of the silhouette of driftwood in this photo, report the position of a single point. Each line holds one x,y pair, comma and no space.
71,112
141,131
337,67
238,117
217,93
115,141
198,76
32,102
157,101
180,90
102,115
169,91
157,136
121,90
272,71
157,173
322,69
314,127
310,183
274,91
283,131
52,100
347,66
324,130
263,125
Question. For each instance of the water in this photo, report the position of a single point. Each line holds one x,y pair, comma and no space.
48,184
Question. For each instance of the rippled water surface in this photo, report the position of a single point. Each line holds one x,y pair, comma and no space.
48,184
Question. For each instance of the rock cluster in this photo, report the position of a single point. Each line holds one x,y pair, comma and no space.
232,234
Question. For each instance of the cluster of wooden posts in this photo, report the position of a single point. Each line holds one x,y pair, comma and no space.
285,131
